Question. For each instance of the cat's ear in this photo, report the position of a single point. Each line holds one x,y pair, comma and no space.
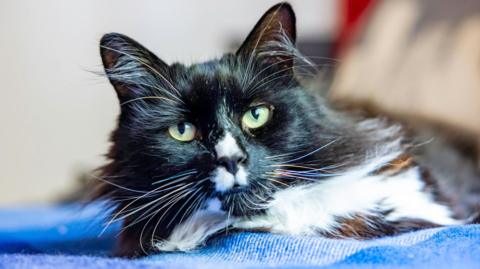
131,68
273,37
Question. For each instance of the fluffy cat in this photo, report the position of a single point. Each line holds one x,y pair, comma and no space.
238,143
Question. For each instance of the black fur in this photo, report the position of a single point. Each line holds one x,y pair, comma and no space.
213,96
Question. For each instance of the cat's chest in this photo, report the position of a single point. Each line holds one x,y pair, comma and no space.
351,199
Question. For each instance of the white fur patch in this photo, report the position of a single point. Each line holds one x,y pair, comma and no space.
195,230
307,209
228,147
214,204
224,180
304,210
241,176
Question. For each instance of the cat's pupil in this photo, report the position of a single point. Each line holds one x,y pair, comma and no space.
181,128
255,113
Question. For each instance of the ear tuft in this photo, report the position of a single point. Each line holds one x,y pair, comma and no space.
274,32
130,67
116,48
109,44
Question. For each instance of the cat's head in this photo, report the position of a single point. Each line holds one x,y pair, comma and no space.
238,128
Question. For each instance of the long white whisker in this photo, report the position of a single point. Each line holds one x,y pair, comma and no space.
147,213
194,206
276,181
183,205
182,174
116,218
172,202
147,97
313,152
117,185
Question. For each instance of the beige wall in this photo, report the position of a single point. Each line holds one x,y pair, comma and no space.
55,116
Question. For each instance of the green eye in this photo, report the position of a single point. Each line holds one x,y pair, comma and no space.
256,117
183,131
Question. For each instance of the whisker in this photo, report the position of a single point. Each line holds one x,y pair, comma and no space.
252,205
184,204
245,198
182,174
307,170
258,85
303,177
313,152
301,173
276,181
116,185
115,217
278,156
298,69
147,97
308,64
172,202
268,190
151,217
271,75
263,70
194,206
325,168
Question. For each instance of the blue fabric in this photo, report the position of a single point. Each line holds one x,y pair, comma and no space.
68,237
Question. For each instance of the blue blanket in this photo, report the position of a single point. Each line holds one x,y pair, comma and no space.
68,237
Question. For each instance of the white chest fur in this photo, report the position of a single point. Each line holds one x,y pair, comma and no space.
307,209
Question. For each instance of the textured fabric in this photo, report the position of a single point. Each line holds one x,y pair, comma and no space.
68,237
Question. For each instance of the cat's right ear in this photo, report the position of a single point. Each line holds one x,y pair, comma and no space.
133,70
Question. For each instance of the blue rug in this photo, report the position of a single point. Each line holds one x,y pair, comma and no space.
68,237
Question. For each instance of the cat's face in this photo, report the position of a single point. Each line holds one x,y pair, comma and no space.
236,129
217,136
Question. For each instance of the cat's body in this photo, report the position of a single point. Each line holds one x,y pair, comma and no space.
238,143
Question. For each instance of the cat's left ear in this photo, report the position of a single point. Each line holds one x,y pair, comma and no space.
273,37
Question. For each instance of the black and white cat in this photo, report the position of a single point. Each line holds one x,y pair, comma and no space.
237,143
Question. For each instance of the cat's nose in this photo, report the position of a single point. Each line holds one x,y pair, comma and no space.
231,163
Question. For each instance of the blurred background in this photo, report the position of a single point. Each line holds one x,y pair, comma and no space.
415,58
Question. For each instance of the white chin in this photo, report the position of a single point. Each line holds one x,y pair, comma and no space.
225,181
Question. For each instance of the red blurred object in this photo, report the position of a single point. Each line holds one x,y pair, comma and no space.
352,13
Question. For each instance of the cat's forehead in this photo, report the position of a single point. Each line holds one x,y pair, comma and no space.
217,72
214,82
212,96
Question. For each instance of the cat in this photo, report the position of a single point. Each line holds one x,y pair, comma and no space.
237,143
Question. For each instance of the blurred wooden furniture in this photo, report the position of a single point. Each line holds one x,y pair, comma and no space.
417,58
